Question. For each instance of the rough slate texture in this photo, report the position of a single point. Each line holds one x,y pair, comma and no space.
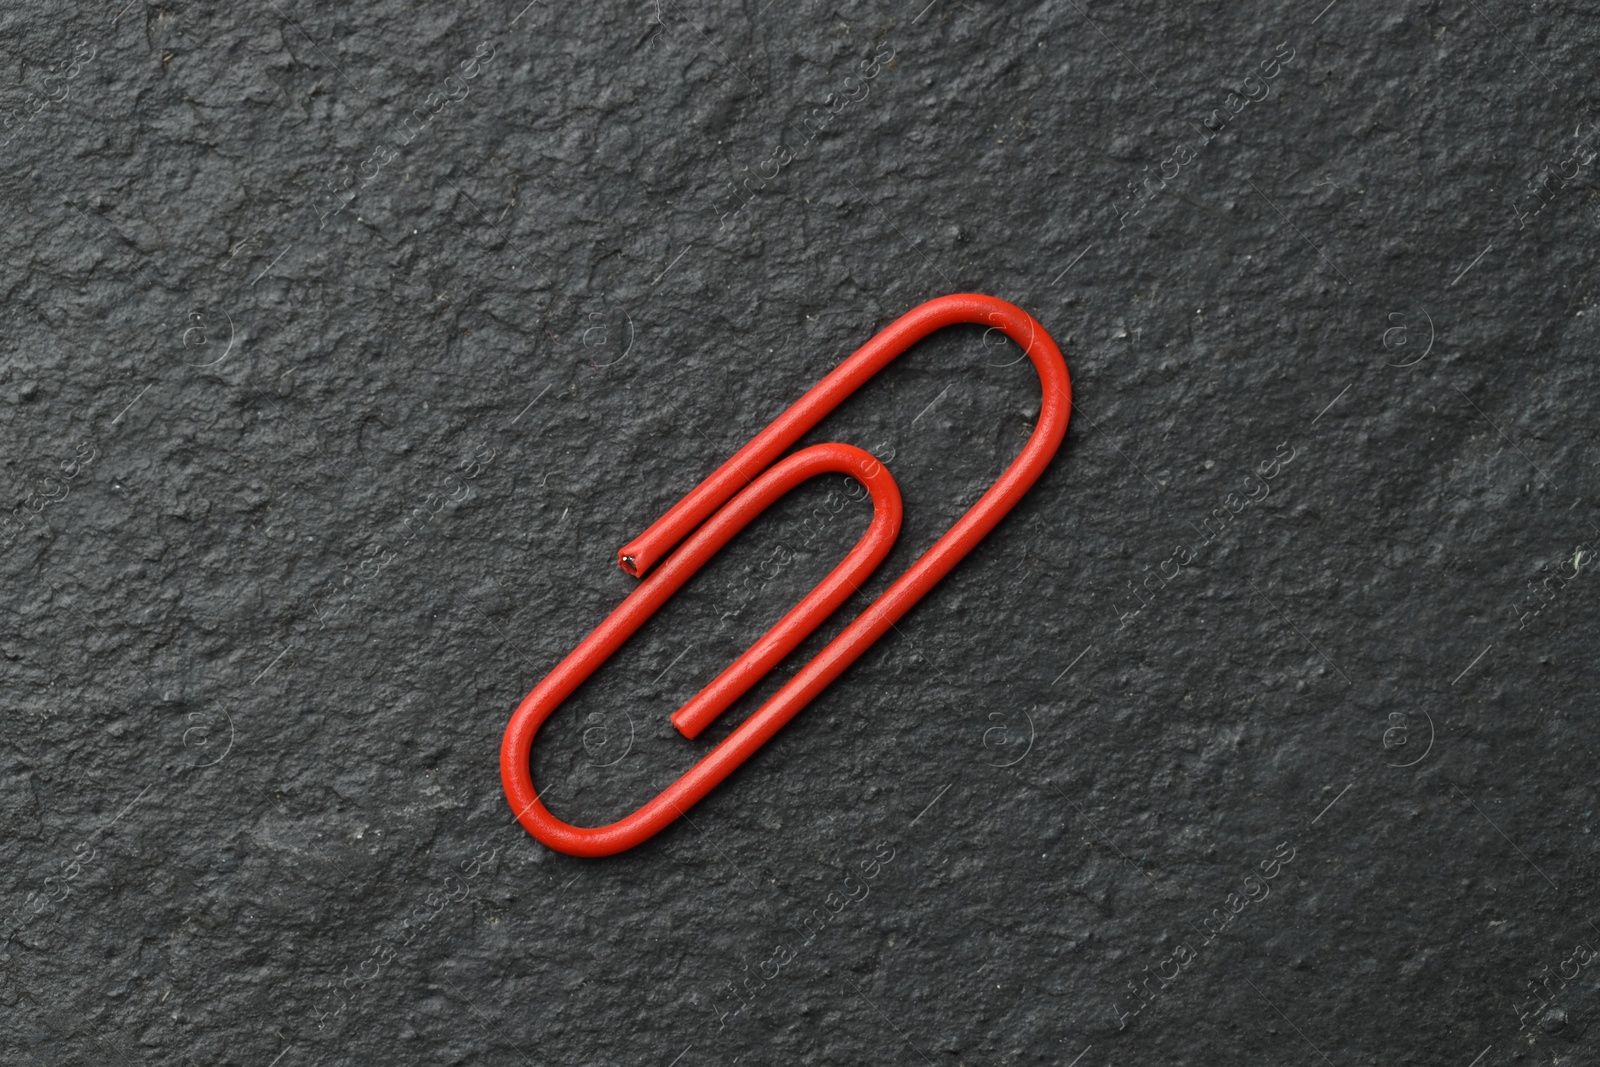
343,346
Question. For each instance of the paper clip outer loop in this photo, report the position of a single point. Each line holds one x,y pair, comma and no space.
702,504
731,684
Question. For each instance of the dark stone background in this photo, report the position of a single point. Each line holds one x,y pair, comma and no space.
251,795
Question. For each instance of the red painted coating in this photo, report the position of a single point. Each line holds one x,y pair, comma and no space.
729,499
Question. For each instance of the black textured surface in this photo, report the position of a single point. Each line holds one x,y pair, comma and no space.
322,426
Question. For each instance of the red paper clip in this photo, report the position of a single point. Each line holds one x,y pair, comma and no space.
725,503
